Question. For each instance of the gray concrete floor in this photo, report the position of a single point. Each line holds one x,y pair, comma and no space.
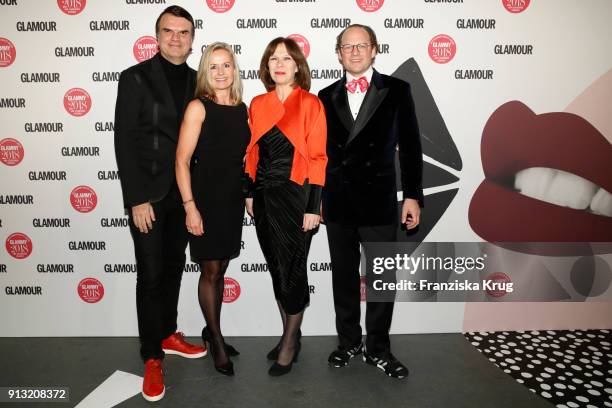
446,371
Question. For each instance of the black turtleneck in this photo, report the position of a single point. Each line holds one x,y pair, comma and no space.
177,81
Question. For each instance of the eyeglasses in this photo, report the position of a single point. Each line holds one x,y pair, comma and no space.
349,48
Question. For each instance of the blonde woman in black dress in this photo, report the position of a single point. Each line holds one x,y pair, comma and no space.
212,143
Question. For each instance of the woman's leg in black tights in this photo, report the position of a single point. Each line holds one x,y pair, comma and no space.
210,296
289,341
282,314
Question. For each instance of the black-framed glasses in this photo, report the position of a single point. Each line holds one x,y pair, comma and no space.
348,48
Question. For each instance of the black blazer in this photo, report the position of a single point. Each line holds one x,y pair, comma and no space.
146,131
361,187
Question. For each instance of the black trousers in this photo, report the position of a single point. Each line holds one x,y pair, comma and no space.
160,259
344,247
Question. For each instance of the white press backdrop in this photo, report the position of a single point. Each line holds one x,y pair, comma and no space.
570,41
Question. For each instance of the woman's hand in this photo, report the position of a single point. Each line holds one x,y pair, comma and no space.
248,202
193,220
311,221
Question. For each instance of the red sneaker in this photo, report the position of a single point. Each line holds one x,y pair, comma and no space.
153,384
176,344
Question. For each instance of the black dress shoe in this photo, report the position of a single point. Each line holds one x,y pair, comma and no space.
229,349
388,364
341,357
273,354
276,370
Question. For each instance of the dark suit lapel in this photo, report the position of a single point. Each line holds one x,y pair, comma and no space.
374,96
341,104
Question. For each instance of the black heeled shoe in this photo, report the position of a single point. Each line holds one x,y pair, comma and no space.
225,369
276,370
273,354
229,349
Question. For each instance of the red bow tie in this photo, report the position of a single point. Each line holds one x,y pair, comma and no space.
361,82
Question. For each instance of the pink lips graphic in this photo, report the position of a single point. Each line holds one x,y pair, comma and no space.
515,138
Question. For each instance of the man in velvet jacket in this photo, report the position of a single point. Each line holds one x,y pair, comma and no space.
369,117
151,99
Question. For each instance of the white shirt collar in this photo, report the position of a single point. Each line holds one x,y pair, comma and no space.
367,74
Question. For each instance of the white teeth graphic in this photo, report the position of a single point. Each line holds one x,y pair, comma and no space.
602,203
562,188
534,182
571,191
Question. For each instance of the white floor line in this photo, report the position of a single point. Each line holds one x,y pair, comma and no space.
117,388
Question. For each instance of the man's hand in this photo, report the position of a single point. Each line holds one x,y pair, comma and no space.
143,217
411,213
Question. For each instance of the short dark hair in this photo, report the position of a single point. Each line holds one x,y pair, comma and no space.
302,76
176,11
368,29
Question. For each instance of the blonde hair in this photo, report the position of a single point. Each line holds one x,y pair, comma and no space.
204,86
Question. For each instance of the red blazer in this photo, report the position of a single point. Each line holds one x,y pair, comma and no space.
302,119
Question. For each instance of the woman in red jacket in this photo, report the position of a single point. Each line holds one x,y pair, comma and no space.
286,161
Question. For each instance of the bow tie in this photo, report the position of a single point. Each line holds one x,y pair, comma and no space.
361,82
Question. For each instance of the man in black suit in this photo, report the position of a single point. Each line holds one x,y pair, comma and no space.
151,99
369,117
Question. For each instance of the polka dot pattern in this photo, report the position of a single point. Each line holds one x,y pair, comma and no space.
569,368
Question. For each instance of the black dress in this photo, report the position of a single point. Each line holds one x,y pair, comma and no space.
279,205
217,181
